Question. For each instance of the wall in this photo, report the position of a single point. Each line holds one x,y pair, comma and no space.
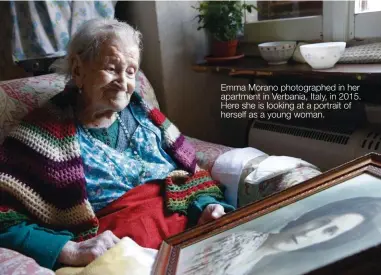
171,45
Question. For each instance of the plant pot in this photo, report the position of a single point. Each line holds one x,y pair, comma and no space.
224,48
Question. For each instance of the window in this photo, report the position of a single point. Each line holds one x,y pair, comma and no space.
313,20
284,20
367,6
367,18
288,9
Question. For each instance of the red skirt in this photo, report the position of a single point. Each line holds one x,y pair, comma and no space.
141,215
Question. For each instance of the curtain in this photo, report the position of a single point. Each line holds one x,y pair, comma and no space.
42,29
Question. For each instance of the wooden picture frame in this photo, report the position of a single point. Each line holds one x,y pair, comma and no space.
292,232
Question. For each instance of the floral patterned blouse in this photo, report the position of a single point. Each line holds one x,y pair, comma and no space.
110,173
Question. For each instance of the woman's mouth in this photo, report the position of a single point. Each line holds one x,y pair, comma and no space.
116,91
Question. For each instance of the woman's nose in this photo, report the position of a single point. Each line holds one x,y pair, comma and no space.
122,80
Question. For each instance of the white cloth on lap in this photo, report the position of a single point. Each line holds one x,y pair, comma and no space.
125,258
228,167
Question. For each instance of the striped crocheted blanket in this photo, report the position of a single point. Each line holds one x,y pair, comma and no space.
42,177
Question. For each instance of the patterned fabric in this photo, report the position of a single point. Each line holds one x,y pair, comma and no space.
14,263
105,184
248,193
43,28
207,153
201,183
41,166
20,96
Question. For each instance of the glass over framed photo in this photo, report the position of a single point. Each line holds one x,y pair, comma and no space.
327,225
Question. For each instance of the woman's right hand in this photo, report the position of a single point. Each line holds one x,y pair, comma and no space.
83,253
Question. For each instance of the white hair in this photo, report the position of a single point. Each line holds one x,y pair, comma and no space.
87,41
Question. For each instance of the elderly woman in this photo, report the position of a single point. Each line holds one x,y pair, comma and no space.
97,163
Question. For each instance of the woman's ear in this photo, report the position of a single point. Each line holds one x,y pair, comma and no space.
77,71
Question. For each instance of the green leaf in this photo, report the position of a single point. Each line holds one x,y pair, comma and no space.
222,19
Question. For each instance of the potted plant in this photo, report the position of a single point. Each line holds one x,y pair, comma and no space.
223,20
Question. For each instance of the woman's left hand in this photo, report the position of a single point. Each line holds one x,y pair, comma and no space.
211,212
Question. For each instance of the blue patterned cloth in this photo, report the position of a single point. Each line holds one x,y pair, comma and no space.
43,28
105,182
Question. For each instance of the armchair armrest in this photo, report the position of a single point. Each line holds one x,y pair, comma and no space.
12,263
207,152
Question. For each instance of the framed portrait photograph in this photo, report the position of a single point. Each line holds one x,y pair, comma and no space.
330,224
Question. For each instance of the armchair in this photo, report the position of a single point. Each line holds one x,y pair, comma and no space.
20,96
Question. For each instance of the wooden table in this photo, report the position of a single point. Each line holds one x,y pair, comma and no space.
255,67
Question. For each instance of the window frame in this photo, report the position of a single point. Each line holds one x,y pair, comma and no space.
337,23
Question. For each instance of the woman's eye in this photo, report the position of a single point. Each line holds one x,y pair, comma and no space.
111,68
331,230
130,71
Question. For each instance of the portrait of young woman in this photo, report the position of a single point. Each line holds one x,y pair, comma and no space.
296,239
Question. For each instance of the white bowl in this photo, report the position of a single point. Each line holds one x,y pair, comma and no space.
276,53
322,55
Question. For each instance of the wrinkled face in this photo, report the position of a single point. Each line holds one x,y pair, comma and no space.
108,82
319,230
